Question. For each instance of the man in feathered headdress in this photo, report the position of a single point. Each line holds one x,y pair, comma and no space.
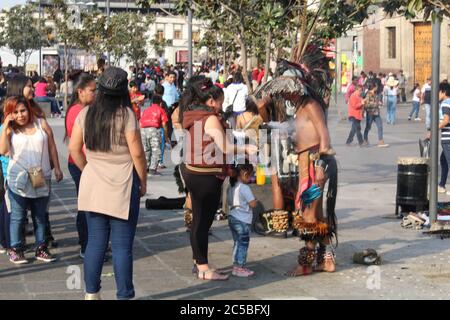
300,89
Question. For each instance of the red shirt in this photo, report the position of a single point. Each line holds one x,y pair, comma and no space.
40,90
135,106
355,105
260,76
70,121
255,74
153,117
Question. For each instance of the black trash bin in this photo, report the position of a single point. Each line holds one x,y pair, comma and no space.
412,185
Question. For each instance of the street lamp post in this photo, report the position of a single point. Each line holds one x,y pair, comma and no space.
189,42
108,14
40,44
436,53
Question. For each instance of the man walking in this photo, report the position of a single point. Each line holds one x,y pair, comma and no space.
355,105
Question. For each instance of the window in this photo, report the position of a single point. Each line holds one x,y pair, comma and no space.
391,45
160,34
177,35
196,36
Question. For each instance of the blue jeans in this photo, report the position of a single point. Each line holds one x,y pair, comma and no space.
163,144
356,129
53,103
81,216
444,160
415,109
369,120
122,236
4,225
241,237
19,206
391,109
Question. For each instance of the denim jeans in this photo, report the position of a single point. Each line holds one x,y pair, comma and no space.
356,129
81,216
369,120
122,236
427,116
415,109
241,237
444,160
19,206
53,103
391,109
5,241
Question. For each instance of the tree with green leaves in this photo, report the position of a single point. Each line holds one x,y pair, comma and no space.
67,25
20,31
94,33
411,8
126,36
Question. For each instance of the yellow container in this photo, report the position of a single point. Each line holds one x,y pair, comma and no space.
260,175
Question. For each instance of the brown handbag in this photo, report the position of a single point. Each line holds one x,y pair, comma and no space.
36,177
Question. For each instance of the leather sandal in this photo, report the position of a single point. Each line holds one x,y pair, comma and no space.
215,275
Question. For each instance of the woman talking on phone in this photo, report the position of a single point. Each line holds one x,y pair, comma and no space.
26,139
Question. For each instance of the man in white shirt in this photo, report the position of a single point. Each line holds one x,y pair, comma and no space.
235,95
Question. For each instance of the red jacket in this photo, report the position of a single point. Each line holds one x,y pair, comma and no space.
355,104
154,116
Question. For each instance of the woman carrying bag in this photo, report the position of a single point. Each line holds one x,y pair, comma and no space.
26,139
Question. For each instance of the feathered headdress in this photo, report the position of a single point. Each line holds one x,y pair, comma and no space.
311,76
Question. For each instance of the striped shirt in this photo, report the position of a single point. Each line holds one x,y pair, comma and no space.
445,107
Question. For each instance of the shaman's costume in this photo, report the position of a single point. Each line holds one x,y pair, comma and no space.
301,87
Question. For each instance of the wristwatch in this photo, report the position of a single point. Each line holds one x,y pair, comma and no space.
322,164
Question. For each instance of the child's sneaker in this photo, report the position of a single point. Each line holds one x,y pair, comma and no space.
43,254
242,272
17,256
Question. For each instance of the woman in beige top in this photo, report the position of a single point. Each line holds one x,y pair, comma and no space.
113,178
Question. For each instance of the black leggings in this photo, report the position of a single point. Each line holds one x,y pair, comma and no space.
205,191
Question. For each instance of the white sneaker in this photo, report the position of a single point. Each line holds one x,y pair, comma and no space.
441,189
417,119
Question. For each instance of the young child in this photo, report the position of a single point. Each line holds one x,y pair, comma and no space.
153,119
241,201
137,99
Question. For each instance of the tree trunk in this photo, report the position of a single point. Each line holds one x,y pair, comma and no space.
66,74
224,57
268,43
244,63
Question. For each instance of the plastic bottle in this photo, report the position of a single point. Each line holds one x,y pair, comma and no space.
260,175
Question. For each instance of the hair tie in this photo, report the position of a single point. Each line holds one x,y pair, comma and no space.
203,87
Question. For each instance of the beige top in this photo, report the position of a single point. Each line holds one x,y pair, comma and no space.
107,179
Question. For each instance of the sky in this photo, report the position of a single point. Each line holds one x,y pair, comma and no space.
10,3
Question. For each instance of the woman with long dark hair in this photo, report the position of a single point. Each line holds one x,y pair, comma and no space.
83,95
204,168
114,177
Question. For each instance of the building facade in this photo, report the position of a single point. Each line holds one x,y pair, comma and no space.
390,44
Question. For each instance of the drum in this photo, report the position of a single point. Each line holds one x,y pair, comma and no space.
412,184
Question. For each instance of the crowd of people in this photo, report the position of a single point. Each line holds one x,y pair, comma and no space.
368,94
114,142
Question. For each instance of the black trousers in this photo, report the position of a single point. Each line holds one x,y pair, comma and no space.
205,192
